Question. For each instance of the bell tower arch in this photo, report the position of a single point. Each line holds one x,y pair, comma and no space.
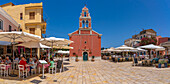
85,19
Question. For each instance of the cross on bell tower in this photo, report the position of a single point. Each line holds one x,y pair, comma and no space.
85,19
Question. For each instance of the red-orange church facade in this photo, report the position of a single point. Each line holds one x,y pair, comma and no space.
87,42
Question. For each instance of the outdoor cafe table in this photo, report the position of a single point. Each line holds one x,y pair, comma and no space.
42,62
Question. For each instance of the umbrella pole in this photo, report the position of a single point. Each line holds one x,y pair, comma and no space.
52,50
13,75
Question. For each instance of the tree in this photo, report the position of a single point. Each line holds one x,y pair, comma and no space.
146,41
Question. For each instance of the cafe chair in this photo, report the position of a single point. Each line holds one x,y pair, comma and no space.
59,65
52,69
4,70
16,64
22,71
35,69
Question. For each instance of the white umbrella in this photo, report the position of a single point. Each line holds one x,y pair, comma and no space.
33,44
52,41
151,46
139,49
62,47
113,50
17,37
125,48
63,52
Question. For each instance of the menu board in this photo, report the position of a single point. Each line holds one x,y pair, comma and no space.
42,61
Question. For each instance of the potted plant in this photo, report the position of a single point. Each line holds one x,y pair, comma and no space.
168,65
76,58
93,58
156,65
159,65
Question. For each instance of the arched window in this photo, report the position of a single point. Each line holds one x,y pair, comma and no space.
83,23
1,24
87,23
85,14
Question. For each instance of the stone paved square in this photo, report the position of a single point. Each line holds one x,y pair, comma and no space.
101,72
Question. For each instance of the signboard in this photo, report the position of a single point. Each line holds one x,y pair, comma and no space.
42,61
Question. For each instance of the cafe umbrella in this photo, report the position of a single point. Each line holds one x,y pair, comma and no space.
15,37
151,47
52,41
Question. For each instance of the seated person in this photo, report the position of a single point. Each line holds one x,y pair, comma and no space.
28,59
1,60
17,58
143,57
31,62
23,62
34,58
51,63
8,61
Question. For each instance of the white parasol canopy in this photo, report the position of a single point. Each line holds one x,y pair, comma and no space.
151,46
125,48
139,49
62,47
63,52
16,36
33,44
52,41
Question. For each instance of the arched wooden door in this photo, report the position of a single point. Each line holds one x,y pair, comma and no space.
85,56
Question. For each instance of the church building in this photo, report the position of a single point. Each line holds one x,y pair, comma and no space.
87,42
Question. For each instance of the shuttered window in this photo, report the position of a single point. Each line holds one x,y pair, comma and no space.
32,15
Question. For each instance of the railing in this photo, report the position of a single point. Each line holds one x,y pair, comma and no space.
9,30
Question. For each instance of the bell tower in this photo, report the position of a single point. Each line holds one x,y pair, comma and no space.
85,19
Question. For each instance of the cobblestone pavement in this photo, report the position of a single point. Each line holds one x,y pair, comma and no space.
101,72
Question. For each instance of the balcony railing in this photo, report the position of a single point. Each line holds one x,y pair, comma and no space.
9,30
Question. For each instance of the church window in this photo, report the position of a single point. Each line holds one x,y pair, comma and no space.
87,23
85,42
83,23
85,14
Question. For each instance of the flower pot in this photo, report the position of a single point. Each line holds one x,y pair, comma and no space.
92,60
156,66
77,60
168,66
159,65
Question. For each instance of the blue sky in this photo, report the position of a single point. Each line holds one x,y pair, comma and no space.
117,20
